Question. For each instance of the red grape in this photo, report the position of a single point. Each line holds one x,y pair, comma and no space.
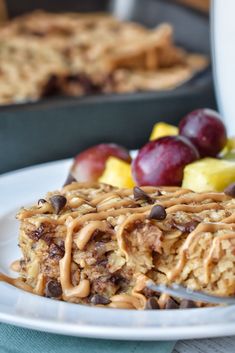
162,161
205,130
90,164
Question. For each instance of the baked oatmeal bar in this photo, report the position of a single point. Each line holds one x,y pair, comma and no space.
96,244
44,54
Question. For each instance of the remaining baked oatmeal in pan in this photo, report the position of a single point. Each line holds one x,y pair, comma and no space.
75,54
99,245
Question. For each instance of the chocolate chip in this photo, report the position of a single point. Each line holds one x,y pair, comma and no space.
72,84
187,304
117,279
100,238
22,264
41,202
171,304
187,227
99,299
38,233
45,232
58,202
51,87
47,237
37,33
158,212
56,252
152,304
70,179
53,289
147,292
102,262
139,194
230,190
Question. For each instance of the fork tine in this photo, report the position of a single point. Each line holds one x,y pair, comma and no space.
182,292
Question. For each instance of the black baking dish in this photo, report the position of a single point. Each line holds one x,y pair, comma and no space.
59,127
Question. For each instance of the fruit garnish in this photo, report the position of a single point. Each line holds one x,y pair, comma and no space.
209,174
117,173
162,161
228,151
89,165
205,130
230,144
230,156
163,129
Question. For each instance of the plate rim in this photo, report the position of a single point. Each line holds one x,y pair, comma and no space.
130,334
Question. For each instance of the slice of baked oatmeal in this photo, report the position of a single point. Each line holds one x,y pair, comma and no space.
96,244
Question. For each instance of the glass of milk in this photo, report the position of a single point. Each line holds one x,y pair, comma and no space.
223,53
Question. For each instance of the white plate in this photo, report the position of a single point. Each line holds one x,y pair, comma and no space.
24,309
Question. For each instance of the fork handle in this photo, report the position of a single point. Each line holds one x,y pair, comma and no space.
181,292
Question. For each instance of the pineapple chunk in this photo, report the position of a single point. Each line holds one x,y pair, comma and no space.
117,173
230,156
209,174
228,151
163,129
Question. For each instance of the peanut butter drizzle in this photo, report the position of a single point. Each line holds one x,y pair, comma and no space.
130,201
148,189
196,198
105,214
201,228
46,207
84,235
16,282
119,193
82,290
15,266
97,201
40,285
163,299
194,208
176,194
115,204
121,229
230,219
209,259
128,299
74,201
77,185
139,286
179,207
141,281
121,305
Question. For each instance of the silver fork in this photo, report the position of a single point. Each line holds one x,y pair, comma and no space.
179,291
